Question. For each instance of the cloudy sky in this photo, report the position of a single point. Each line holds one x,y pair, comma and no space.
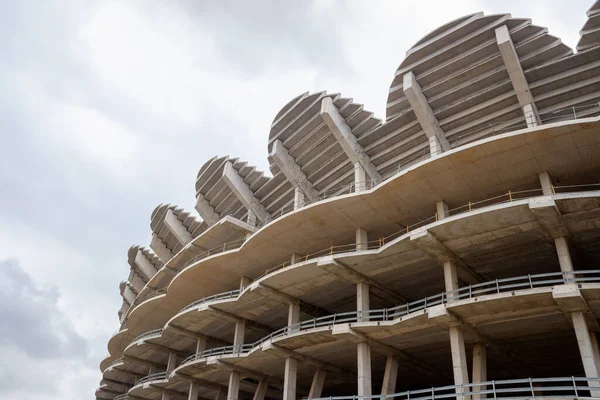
108,108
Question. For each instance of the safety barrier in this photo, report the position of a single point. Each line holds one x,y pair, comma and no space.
154,332
159,376
388,314
209,299
117,361
568,387
123,396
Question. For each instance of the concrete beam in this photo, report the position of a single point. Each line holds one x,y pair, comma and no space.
390,376
351,276
290,379
343,134
242,191
283,352
276,295
160,347
548,216
160,249
286,163
195,335
144,362
316,387
176,227
420,106
438,251
245,371
459,358
235,318
517,76
479,369
206,211
261,389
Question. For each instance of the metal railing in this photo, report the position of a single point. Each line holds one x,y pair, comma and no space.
159,376
154,332
216,297
567,387
388,314
123,396
117,361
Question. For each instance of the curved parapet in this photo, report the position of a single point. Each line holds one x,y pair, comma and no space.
173,228
469,78
590,33
228,186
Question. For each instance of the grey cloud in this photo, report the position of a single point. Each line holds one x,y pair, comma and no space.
31,319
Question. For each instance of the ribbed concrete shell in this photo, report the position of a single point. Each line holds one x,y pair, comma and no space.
590,33
499,204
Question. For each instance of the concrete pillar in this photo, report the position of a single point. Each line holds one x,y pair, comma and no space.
362,300
298,198
479,369
261,389
172,362
193,393
564,257
450,276
363,350
316,388
595,348
390,376
360,178
238,336
442,209
459,358
290,374
165,396
251,219
585,344
546,183
233,390
244,282
361,239
221,394
530,114
293,313
200,345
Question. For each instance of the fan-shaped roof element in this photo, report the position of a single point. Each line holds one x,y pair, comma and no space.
590,33
144,270
214,192
307,138
174,226
463,76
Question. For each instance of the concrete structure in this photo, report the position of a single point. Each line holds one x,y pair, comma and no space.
454,245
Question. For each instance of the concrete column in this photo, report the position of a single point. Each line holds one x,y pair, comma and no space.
362,300
442,209
585,344
450,276
238,336
546,183
261,389
530,114
298,198
316,388
361,239
595,348
221,394
251,219
360,178
290,374
244,282
193,393
166,396
233,390
564,257
200,345
479,369
293,313
363,350
459,358
172,362
390,376
295,258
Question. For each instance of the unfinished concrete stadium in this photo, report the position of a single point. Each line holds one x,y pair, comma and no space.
451,251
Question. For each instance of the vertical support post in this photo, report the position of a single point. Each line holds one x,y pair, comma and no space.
442,209
459,359
595,348
564,257
450,276
479,369
293,313
221,394
261,389
390,375
584,342
362,301
363,350
298,198
316,388
251,219
238,336
295,258
244,282
361,239
360,178
546,183
165,396
289,383
200,345
233,390
172,362
193,393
